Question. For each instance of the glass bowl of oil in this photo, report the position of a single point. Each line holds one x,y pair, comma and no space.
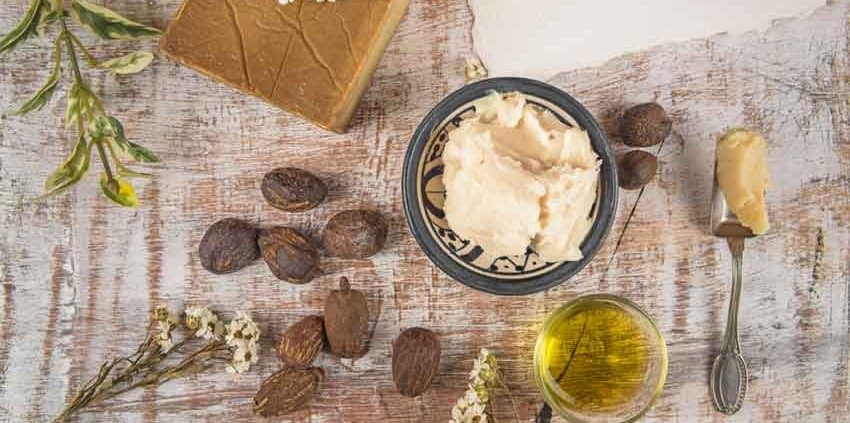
600,358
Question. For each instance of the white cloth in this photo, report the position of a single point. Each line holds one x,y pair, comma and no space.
540,38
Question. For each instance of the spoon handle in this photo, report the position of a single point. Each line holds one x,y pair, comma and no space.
732,341
729,374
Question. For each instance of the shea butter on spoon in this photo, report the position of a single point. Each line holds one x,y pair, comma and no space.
516,176
743,177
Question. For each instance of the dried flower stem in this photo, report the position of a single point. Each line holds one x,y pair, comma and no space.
500,383
188,366
144,368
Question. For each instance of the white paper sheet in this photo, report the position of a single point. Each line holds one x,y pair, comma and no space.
540,38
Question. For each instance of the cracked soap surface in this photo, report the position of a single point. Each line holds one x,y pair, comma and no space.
743,176
304,57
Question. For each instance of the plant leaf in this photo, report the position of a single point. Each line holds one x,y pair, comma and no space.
136,151
71,171
129,64
100,129
48,17
119,191
81,104
25,27
128,173
73,106
122,170
107,24
116,127
127,147
43,95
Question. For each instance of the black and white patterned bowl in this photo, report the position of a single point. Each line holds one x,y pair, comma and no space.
424,194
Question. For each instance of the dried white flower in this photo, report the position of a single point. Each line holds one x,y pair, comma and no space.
242,335
204,322
166,321
484,374
470,409
242,360
484,377
242,329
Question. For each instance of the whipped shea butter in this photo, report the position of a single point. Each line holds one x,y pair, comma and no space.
743,176
516,176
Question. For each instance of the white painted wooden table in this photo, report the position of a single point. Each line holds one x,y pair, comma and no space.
79,275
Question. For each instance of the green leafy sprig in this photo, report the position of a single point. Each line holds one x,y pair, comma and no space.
96,129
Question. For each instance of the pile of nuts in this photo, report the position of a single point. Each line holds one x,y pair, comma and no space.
232,244
644,125
344,331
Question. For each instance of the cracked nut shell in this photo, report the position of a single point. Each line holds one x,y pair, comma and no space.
289,255
636,169
645,125
293,190
347,321
229,245
355,234
302,342
416,360
287,390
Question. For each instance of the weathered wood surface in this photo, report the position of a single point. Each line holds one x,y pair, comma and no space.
79,275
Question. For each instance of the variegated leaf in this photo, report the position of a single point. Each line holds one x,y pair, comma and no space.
26,26
81,104
46,92
71,171
128,173
107,24
100,128
127,147
129,64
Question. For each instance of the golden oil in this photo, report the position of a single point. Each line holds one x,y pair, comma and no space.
600,357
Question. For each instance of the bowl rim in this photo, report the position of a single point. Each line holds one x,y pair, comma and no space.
608,198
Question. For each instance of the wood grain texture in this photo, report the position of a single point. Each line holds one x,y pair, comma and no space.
79,276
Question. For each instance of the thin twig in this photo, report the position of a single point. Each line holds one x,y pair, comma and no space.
90,59
628,220
510,395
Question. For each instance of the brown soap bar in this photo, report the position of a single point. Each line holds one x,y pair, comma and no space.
313,59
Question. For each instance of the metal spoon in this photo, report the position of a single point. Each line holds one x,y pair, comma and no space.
729,377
